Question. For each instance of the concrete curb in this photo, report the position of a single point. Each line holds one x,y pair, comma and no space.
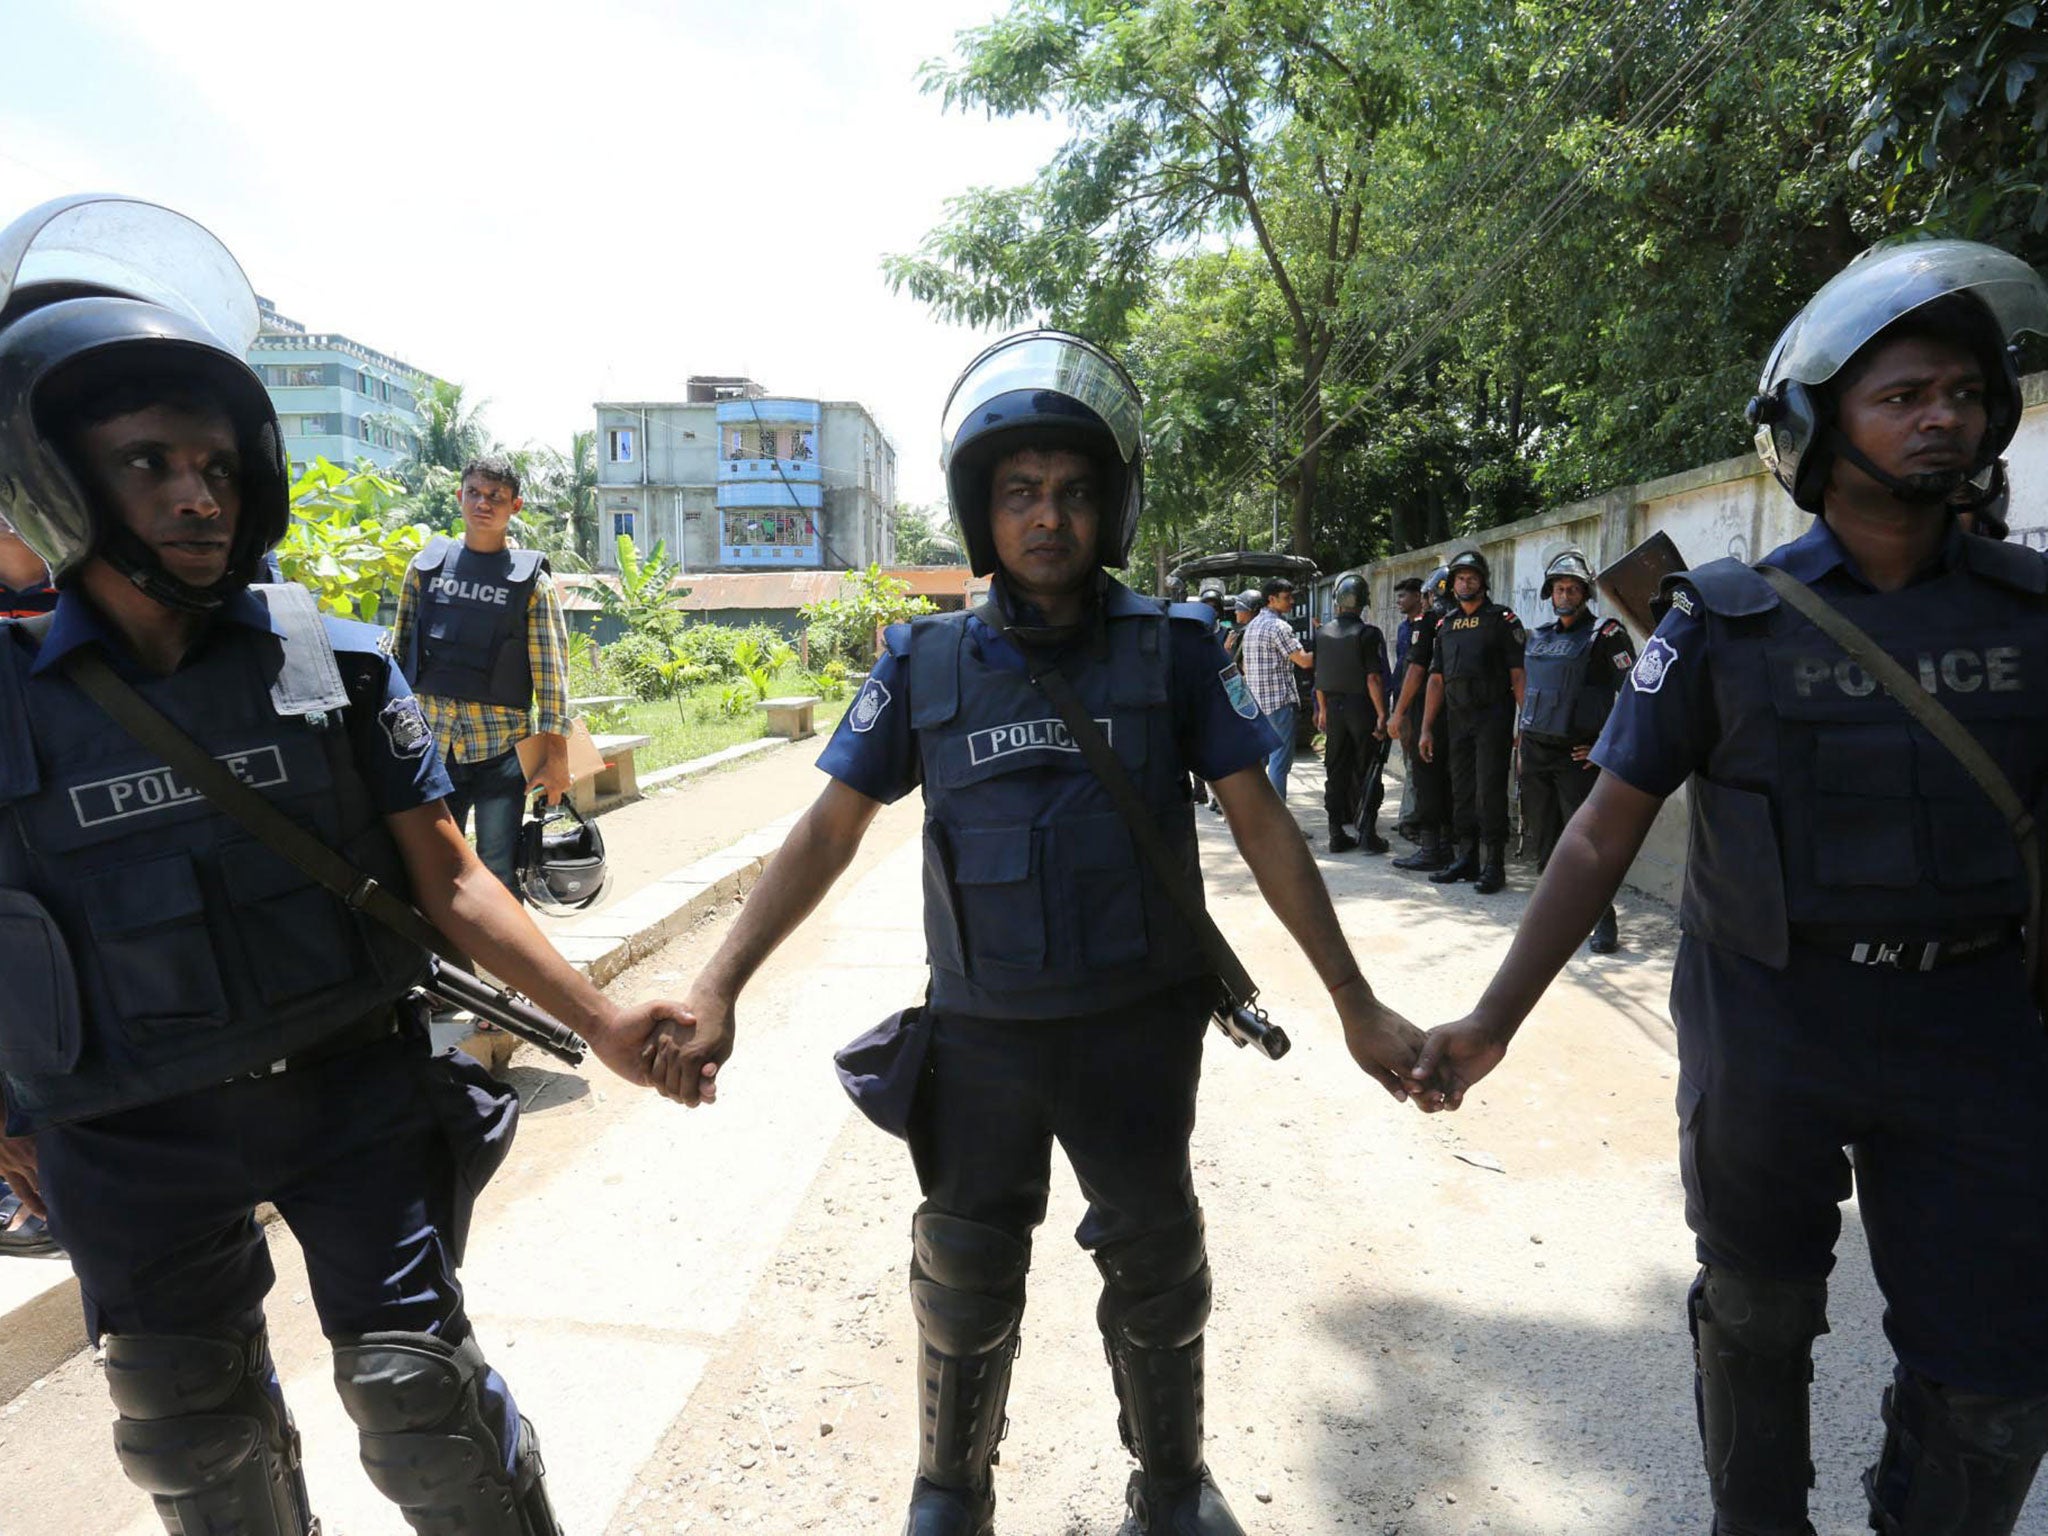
662,778
42,1324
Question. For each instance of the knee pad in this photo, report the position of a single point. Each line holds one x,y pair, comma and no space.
426,1444
966,1283
1958,1462
201,1434
1156,1289
1753,1347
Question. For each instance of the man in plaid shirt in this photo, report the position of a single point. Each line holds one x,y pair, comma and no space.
1268,655
480,637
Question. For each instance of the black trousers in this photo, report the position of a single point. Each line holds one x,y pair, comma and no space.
1116,1090
1481,743
1432,790
1554,786
1353,768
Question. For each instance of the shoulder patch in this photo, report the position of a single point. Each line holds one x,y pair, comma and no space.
1681,599
1609,626
1654,665
867,709
1239,692
405,727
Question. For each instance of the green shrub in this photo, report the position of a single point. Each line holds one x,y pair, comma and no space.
639,664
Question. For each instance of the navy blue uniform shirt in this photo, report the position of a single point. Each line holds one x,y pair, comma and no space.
1664,725
875,752
387,732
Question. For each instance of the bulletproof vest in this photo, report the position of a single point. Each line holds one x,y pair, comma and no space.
1340,655
1822,802
1558,699
1037,902
1473,675
469,639
150,946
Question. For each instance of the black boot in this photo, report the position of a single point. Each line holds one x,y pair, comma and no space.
1341,841
1155,1303
1605,940
1953,1461
1430,853
1493,874
967,1290
1753,1350
1372,840
1466,867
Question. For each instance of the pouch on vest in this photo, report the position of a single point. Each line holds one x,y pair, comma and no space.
1002,913
40,1032
152,950
1734,891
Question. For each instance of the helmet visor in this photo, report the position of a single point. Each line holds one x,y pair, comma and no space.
134,249
1055,362
1885,285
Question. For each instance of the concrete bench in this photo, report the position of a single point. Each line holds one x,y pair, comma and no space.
617,782
599,701
791,717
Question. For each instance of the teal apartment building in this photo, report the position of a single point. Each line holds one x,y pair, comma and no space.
335,397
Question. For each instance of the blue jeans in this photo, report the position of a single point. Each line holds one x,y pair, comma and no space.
496,787
1282,721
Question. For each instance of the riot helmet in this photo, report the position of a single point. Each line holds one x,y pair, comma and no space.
1248,601
1436,591
1468,560
1052,390
1573,565
1214,595
106,293
560,868
1987,501
1348,595
1176,590
1977,294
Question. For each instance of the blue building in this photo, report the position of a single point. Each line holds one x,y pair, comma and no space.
735,479
335,397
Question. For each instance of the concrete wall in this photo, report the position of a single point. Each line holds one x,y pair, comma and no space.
1731,508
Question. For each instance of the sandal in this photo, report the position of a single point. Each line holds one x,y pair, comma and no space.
30,1238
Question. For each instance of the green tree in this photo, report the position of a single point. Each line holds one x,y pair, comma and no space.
646,600
843,628
340,544
564,489
450,432
1193,120
921,539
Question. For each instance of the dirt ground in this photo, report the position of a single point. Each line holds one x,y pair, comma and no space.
1423,1327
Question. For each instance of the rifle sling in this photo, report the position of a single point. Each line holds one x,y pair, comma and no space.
1109,769
1938,722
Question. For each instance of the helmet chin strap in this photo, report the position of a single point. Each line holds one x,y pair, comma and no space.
121,549
1929,489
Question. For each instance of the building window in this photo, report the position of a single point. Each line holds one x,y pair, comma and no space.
620,441
301,378
735,442
765,530
622,525
803,444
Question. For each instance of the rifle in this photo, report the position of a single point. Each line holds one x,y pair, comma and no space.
450,984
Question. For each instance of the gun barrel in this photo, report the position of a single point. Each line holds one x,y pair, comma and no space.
1246,1025
509,1012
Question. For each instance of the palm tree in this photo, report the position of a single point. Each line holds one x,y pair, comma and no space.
449,434
566,485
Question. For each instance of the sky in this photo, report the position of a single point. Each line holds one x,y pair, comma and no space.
549,204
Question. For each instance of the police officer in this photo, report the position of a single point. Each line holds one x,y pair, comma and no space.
1475,687
1852,972
1431,777
1068,997
1351,712
480,635
1573,667
192,1026
1244,607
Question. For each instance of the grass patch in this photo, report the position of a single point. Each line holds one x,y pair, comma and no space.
692,725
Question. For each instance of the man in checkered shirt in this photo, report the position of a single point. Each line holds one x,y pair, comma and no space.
1268,655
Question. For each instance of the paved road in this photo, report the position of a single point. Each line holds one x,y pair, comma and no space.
1424,1327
